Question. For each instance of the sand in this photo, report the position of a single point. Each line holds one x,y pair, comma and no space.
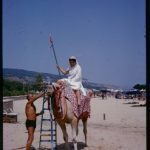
124,127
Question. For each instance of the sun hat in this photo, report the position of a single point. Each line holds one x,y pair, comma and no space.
72,58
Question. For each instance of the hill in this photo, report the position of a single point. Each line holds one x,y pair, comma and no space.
28,77
25,75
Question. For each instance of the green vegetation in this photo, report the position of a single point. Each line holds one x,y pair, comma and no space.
38,82
15,88
139,86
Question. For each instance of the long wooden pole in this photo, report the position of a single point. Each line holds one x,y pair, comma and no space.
52,45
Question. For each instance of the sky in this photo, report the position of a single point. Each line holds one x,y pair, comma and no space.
106,36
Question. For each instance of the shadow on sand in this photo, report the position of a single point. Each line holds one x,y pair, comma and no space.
81,145
139,105
131,103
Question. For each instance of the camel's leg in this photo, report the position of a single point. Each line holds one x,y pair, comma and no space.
74,125
65,135
77,131
85,129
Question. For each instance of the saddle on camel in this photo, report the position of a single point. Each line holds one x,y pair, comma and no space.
63,93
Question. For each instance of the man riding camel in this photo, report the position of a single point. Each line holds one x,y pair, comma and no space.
74,79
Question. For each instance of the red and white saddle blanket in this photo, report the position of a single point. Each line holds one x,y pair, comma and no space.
85,102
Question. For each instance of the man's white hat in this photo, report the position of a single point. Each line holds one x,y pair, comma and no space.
72,57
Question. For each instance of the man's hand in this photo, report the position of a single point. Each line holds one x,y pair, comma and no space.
58,67
42,112
62,70
44,90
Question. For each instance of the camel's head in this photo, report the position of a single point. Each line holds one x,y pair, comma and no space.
51,88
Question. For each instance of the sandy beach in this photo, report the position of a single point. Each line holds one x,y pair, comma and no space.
124,127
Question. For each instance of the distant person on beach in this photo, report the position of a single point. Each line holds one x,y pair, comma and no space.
31,115
74,79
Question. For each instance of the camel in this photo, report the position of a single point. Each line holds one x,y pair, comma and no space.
68,115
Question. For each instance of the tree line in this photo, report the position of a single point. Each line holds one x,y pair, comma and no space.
15,88
140,86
